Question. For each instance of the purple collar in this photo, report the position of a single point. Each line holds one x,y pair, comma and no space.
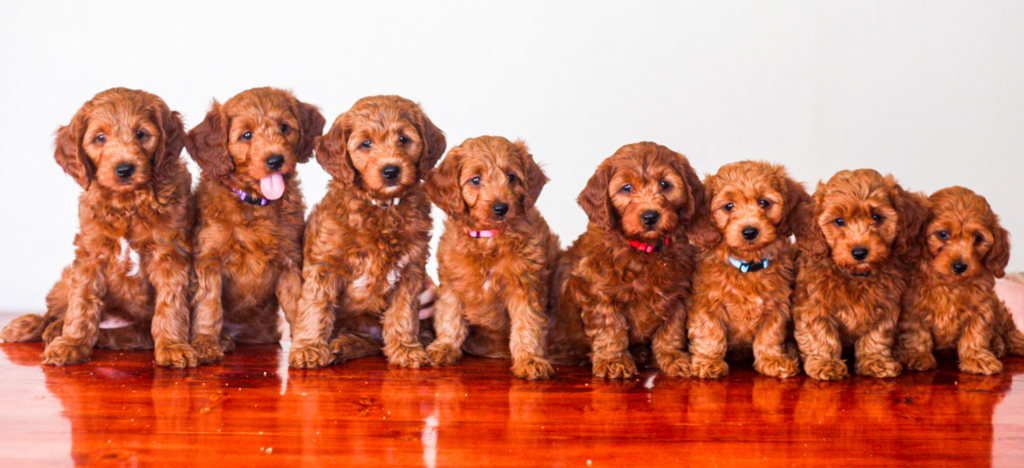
249,198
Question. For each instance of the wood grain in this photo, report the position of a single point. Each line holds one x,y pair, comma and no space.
120,410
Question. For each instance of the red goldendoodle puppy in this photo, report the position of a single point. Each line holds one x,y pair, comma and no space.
743,284
628,276
366,243
951,300
495,256
856,244
128,285
251,216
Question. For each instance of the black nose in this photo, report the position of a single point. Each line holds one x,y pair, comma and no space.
859,253
750,233
391,172
275,162
650,217
124,170
500,209
959,268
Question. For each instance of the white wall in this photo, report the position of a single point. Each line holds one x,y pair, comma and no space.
930,91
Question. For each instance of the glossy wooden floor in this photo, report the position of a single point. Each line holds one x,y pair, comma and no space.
120,410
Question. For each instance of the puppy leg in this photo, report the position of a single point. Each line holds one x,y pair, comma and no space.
609,339
82,320
451,328
208,318
669,343
171,317
819,344
975,357
873,351
53,331
1012,337
770,355
402,323
708,343
915,343
289,290
313,322
526,308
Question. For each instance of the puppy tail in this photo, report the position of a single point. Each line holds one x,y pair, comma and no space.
28,327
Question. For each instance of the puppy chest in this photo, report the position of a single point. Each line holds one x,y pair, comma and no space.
373,279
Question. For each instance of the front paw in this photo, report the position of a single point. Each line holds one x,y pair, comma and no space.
208,349
826,369
53,331
176,355
707,367
62,352
879,367
984,364
443,354
309,357
532,368
782,366
675,363
620,367
411,356
919,361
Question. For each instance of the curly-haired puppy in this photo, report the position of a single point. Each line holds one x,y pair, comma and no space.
495,256
856,243
367,242
128,285
951,300
248,235
743,284
628,276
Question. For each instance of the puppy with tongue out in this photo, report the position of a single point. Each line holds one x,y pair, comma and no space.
248,239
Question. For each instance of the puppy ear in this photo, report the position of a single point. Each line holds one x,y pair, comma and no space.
914,211
434,145
703,232
207,143
69,153
803,220
698,206
532,173
169,151
999,255
443,185
795,196
311,126
332,151
594,198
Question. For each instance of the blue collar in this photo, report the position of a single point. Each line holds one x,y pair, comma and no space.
749,267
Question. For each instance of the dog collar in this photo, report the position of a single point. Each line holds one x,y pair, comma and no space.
749,267
385,204
648,248
249,198
483,233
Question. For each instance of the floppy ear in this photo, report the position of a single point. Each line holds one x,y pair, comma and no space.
207,143
443,185
698,205
311,126
795,197
433,145
169,151
702,231
913,210
332,151
69,153
533,175
999,255
594,198
804,222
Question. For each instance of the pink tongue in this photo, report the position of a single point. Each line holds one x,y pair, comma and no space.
272,186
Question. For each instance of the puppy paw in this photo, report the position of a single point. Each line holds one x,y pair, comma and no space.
782,366
709,368
62,352
411,356
443,354
675,363
309,357
176,355
621,367
984,364
53,331
879,367
826,369
208,348
227,345
532,368
919,361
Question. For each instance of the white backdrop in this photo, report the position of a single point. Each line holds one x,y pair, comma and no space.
930,91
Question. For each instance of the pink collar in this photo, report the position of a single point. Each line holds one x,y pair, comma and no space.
484,233
648,248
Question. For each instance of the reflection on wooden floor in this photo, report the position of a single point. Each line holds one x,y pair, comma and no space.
119,410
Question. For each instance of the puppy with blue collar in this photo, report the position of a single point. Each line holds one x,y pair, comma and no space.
743,283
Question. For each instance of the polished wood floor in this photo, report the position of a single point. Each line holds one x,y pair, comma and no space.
120,410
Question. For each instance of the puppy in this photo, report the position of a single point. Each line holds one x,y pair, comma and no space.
494,258
128,285
248,241
628,276
366,243
951,300
744,279
856,242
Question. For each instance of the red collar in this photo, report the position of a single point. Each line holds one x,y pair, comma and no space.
484,233
648,248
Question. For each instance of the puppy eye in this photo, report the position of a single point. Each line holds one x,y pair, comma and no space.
247,136
764,203
627,188
512,178
403,140
978,239
141,134
366,144
101,138
665,185
944,235
729,206
475,180
878,218
840,222
285,128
